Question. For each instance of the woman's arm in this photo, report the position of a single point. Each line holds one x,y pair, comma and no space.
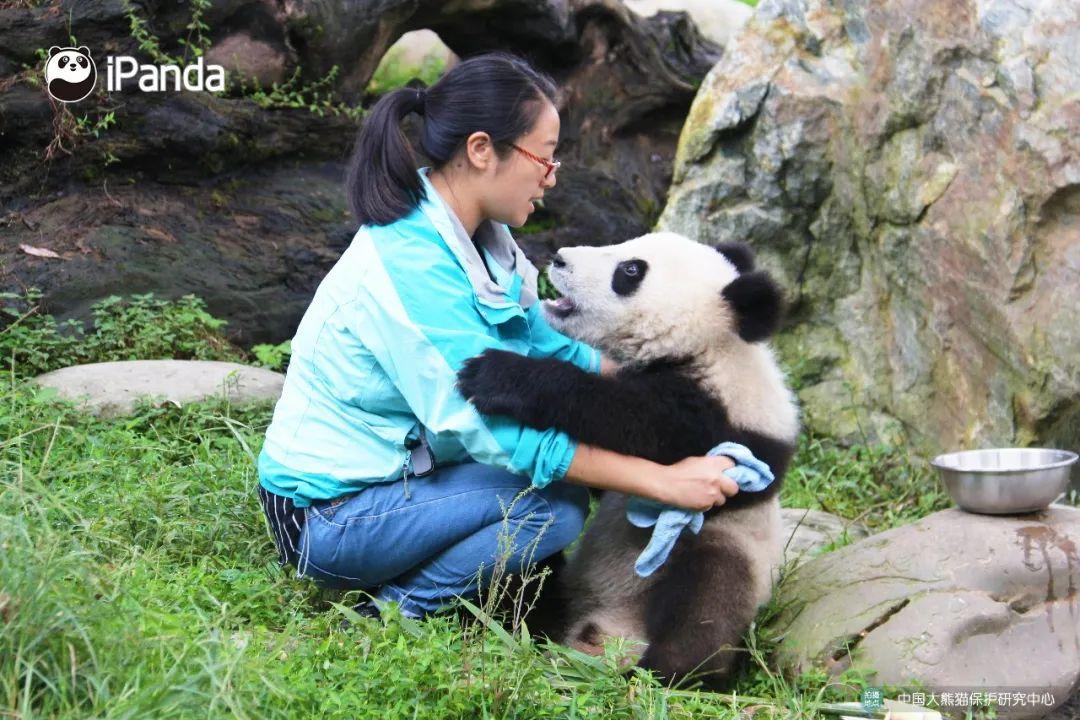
696,483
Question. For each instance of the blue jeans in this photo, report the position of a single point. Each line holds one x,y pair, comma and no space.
443,539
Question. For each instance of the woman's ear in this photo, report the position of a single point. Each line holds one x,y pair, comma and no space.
757,305
479,151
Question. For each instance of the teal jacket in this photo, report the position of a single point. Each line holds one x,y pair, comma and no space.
377,352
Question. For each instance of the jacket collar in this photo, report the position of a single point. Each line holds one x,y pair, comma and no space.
493,237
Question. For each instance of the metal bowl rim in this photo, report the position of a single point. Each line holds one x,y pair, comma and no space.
1070,458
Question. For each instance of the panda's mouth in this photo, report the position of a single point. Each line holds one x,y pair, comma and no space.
560,307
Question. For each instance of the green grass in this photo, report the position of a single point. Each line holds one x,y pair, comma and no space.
138,580
139,327
876,485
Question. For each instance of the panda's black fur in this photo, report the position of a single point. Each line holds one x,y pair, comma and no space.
656,411
702,598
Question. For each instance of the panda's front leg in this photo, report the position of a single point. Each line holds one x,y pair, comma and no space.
627,413
530,390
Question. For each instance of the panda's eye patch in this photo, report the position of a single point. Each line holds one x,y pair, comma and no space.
82,61
63,60
628,276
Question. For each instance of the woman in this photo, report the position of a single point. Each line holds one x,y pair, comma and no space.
375,472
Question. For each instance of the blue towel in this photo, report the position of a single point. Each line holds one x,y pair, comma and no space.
751,474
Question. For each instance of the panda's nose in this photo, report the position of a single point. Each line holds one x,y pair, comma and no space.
558,260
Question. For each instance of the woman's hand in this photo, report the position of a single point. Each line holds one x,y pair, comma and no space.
698,483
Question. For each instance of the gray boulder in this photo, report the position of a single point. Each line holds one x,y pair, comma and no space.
110,389
956,601
911,171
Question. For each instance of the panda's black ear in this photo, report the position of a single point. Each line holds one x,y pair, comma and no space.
757,304
84,50
738,254
54,49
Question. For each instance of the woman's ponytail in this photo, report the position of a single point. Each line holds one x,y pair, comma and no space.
382,184
496,93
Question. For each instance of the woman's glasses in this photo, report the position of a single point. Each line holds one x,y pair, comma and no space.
551,165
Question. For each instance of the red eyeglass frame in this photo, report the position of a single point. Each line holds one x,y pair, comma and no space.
551,165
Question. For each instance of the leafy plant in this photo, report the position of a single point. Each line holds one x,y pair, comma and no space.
544,289
273,357
317,97
85,125
195,43
140,327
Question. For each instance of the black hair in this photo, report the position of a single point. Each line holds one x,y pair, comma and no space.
497,93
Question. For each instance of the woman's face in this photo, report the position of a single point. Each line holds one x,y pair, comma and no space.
517,181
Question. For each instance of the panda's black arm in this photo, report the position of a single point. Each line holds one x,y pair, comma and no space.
656,415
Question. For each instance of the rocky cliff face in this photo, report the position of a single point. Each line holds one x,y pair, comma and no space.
912,169
240,202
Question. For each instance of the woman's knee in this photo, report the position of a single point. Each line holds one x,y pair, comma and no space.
569,508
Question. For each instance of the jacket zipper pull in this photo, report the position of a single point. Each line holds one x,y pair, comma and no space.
405,474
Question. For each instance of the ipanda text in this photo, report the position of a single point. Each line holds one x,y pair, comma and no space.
158,78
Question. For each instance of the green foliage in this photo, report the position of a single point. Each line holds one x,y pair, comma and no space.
877,485
273,357
317,97
149,44
544,289
141,327
536,226
394,72
195,43
85,125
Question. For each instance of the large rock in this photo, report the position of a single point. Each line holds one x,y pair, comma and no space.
911,169
110,389
956,601
242,204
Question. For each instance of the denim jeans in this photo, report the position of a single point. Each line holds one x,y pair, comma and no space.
441,539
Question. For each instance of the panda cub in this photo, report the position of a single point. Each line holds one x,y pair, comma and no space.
687,323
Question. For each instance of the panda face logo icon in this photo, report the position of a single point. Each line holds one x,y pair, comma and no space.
70,73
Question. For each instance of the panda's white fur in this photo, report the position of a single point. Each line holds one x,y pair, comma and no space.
675,312
688,326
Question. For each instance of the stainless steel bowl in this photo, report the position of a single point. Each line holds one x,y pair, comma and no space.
1003,481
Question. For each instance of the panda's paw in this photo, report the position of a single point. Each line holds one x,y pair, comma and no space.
494,381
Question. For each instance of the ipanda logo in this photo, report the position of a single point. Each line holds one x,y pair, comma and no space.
70,74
